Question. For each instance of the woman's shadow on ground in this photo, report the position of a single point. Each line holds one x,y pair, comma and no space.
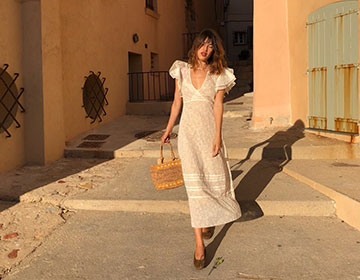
276,154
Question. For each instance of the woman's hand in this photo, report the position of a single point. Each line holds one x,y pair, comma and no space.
166,137
216,146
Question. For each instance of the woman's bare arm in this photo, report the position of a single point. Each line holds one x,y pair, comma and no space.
218,114
174,113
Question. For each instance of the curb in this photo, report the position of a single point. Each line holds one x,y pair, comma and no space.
150,206
347,209
302,152
269,208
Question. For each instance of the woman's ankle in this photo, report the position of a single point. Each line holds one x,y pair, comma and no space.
200,246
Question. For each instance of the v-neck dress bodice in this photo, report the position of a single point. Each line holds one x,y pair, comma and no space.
207,179
180,70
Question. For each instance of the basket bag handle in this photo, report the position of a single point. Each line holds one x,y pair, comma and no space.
161,152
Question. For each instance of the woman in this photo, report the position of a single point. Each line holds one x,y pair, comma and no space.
200,85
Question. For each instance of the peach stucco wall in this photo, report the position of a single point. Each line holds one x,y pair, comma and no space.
298,12
271,64
12,149
170,27
54,44
280,60
94,38
54,110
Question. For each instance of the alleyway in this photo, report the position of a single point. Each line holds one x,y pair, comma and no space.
103,219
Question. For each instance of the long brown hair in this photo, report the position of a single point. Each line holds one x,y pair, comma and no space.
217,60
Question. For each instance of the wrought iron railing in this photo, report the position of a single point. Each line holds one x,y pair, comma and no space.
151,86
188,39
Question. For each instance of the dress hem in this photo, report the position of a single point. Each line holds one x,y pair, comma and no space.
216,224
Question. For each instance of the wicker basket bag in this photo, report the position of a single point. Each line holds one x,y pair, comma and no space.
167,174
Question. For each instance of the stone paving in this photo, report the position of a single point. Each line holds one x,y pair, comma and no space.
100,245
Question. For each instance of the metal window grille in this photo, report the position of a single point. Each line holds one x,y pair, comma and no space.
94,96
9,100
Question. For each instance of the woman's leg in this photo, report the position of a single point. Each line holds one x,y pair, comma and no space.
208,232
199,243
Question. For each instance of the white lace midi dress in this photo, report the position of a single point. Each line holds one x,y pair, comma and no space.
208,180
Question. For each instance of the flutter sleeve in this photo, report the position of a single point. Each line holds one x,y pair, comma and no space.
226,80
175,71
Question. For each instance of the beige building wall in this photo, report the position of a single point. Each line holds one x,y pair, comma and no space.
52,75
298,12
281,60
271,64
54,44
12,149
98,37
33,81
170,26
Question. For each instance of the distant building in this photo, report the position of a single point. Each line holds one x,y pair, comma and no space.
238,26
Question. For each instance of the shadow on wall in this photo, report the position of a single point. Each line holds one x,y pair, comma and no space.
276,154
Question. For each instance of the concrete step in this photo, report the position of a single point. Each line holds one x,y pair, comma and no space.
260,190
122,133
126,138
337,179
142,148
249,208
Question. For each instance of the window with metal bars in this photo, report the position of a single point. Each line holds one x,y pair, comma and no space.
9,100
94,96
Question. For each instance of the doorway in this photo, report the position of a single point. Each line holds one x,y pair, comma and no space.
135,77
